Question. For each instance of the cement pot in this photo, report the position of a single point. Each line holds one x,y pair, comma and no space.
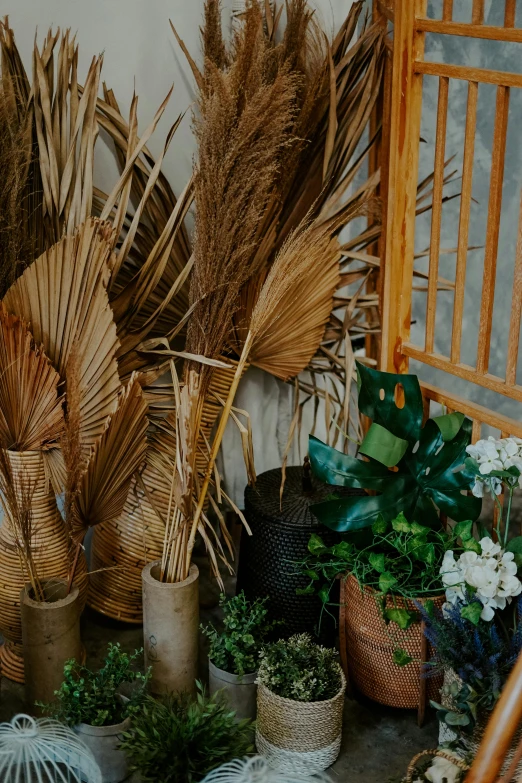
170,630
103,742
50,637
238,693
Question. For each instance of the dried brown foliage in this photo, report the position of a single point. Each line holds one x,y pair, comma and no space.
243,124
15,155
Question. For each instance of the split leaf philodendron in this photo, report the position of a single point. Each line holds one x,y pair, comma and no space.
413,468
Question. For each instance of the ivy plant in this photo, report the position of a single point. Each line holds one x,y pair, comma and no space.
235,649
410,467
403,559
94,697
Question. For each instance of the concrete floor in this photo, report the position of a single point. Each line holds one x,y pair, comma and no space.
378,742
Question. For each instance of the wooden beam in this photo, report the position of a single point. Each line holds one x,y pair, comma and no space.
464,371
496,182
447,10
436,212
406,106
481,75
516,309
471,409
465,207
490,33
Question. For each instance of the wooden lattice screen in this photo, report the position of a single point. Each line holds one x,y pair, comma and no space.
410,25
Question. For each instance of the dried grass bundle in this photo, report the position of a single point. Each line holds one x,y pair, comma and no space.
31,414
63,295
15,155
242,129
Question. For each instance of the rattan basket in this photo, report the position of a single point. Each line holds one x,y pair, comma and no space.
436,752
370,644
299,736
280,536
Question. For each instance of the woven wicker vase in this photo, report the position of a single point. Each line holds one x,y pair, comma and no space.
299,736
50,552
370,645
136,538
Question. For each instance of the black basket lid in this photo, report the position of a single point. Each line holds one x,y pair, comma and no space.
264,497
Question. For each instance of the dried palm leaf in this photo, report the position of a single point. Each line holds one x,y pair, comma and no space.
63,296
116,457
31,414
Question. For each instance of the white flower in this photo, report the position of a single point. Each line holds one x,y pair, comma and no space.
491,575
488,546
441,770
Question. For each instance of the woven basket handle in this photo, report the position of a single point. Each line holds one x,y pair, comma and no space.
434,752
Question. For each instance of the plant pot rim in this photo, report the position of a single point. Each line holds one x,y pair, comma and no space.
236,679
103,731
309,704
26,599
151,580
372,591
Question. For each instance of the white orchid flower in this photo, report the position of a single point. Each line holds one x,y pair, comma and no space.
489,547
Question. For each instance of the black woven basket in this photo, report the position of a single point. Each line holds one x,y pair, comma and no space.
279,537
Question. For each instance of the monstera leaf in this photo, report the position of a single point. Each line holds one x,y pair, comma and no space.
428,462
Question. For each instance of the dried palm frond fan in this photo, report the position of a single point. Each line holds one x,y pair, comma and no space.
107,423
34,544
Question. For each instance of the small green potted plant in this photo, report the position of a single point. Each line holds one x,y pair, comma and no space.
299,705
180,739
92,703
233,656
383,580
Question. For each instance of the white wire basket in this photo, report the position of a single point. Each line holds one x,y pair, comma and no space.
258,770
44,751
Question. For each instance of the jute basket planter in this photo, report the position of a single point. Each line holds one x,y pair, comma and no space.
49,545
238,693
170,630
136,538
299,736
368,646
51,636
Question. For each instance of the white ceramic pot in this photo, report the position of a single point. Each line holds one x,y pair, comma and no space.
103,741
239,693
170,630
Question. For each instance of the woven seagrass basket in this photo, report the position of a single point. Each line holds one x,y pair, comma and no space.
370,644
299,736
280,535
434,753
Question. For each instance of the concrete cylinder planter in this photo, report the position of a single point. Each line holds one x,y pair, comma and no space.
239,693
170,630
103,742
50,636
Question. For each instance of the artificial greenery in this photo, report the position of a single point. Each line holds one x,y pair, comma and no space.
180,740
482,655
299,669
92,697
402,559
245,627
411,466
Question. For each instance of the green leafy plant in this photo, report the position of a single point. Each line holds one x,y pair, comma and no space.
245,627
95,697
402,559
180,740
299,669
415,469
